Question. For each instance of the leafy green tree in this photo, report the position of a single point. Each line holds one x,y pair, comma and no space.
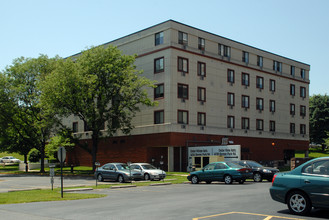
26,124
100,86
56,142
319,118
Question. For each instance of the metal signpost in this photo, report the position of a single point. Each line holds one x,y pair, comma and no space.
61,155
97,164
131,180
52,174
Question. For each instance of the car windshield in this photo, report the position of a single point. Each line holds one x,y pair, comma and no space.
233,165
122,167
148,167
254,164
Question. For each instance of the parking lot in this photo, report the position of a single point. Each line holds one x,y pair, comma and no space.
182,201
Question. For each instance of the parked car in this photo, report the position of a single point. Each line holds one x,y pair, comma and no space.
149,171
259,171
221,171
10,159
304,187
118,172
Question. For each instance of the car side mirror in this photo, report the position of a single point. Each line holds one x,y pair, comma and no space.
202,169
115,169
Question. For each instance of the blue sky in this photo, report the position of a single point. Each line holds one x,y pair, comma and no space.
297,29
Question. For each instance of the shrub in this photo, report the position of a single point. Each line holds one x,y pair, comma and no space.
34,155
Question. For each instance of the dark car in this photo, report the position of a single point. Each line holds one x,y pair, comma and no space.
259,171
220,171
118,172
304,187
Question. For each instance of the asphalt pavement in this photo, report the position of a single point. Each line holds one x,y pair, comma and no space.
178,201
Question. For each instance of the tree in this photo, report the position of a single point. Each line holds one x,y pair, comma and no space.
100,86
25,123
319,118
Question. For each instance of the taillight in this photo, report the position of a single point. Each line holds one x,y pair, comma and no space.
273,178
244,170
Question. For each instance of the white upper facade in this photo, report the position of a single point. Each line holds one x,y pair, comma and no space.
212,85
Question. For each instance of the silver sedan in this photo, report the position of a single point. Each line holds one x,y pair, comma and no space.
149,171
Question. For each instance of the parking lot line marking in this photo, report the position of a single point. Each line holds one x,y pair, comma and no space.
268,217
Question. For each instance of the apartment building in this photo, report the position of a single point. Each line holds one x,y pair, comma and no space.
211,90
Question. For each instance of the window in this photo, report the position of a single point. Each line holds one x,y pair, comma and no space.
292,109
245,57
303,110
75,128
245,101
182,91
201,69
245,79
259,82
230,76
302,129
245,123
182,38
272,85
230,121
159,38
182,64
302,92
260,61
159,91
292,89
259,124
292,70
224,50
202,43
272,106
159,65
277,66
85,127
292,128
159,117
259,104
272,126
182,117
201,118
201,94
302,73
230,99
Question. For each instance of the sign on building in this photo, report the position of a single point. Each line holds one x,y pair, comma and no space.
202,153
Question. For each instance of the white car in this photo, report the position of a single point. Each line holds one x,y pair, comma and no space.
10,159
149,171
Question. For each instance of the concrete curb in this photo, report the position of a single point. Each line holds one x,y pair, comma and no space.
124,186
159,184
77,189
19,190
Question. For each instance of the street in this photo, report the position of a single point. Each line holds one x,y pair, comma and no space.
178,201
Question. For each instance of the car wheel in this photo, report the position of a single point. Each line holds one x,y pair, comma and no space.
228,179
121,179
242,181
299,203
194,180
100,177
147,176
208,182
258,177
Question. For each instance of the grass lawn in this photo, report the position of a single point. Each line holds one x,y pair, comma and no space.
314,153
42,195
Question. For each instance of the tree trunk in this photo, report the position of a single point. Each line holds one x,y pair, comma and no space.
42,164
26,165
94,150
